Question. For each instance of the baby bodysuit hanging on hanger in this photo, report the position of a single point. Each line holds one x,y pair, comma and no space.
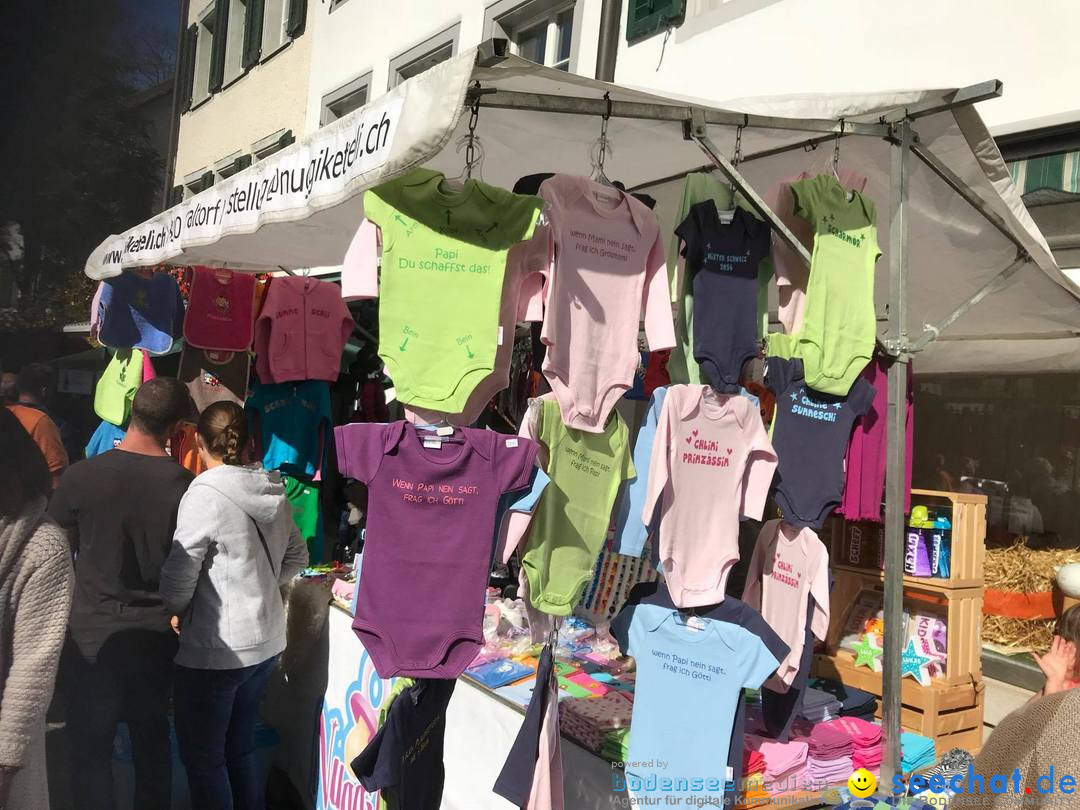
444,255
789,567
722,263
432,503
569,523
712,462
608,272
690,675
792,274
839,326
811,432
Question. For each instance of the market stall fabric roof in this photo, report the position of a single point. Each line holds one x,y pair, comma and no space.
300,207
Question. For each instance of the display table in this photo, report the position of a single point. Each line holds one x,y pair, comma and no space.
480,728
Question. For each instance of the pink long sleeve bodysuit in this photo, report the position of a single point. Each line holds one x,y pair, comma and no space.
711,462
789,566
608,270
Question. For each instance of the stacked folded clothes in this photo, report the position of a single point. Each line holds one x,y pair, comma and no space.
753,763
588,720
616,745
818,706
916,751
853,702
785,764
829,756
867,738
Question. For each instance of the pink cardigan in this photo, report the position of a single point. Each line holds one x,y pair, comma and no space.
301,331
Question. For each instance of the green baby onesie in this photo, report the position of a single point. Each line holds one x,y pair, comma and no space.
837,337
698,187
443,259
571,520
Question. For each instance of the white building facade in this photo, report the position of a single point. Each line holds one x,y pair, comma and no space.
279,69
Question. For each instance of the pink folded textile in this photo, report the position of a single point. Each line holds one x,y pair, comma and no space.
829,770
862,732
783,759
827,742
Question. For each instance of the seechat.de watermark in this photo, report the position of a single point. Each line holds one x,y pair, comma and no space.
996,784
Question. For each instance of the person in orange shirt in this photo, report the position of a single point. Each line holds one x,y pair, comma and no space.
34,384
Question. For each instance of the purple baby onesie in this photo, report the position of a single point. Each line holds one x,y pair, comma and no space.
428,542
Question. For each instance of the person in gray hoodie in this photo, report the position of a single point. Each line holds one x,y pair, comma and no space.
235,545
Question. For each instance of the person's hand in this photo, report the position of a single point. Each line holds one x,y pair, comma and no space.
1056,664
175,622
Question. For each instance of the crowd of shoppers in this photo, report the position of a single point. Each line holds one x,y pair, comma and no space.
130,566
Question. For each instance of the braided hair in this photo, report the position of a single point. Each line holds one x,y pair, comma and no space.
223,428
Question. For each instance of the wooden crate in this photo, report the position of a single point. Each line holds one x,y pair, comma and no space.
968,539
960,607
951,715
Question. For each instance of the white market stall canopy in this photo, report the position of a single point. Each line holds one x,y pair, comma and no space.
971,239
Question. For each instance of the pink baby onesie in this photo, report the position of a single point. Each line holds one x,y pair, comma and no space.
608,269
522,299
711,462
788,567
792,273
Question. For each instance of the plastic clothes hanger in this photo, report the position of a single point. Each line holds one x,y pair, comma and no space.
602,148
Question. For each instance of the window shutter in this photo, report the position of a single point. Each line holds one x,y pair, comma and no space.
297,17
221,38
647,17
186,67
176,196
253,28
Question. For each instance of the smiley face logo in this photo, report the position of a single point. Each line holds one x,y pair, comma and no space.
862,783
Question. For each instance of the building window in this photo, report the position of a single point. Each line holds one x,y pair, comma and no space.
197,181
204,50
234,41
426,55
541,31
350,96
230,165
264,147
275,25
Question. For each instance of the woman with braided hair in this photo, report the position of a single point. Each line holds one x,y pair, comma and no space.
235,545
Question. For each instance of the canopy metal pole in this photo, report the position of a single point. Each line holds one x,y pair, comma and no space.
698,133
998,282
895,463
498,99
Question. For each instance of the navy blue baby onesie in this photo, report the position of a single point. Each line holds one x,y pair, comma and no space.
811,432
405,757
722,272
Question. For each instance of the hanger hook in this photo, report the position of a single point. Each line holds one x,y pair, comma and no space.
470,146
603,135
836,147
